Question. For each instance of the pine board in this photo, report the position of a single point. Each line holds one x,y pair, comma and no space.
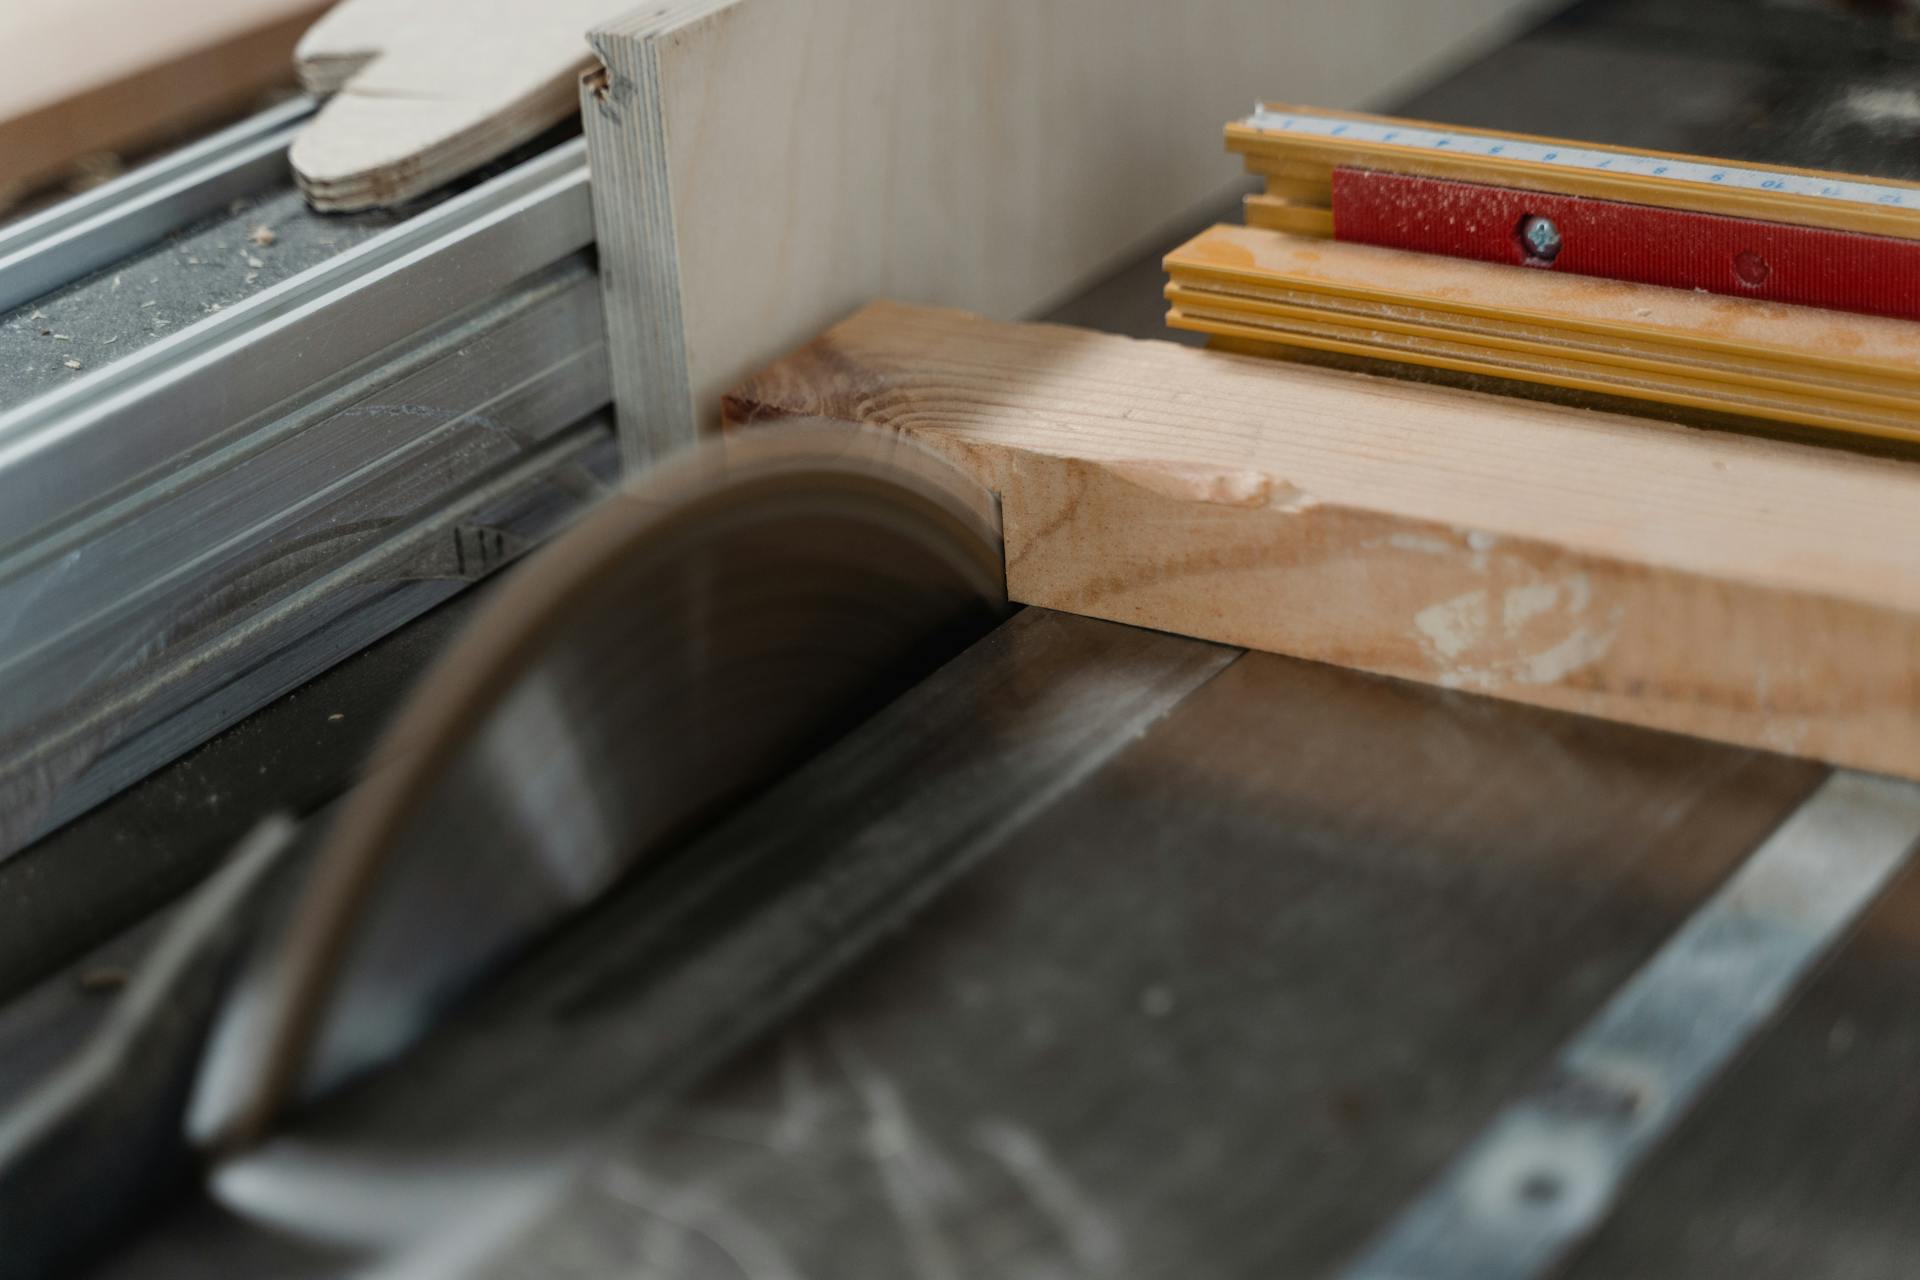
1754,591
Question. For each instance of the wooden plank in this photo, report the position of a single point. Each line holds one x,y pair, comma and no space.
1755,591
88,76
425,90
761,167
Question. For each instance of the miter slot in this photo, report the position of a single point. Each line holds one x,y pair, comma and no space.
1548,1168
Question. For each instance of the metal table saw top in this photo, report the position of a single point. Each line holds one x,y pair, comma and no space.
1250,957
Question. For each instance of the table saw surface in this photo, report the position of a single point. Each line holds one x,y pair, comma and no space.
1213,982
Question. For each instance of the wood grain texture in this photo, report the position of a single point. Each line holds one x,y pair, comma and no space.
84,76
1754,591
1295,217
761,167
1792,364
1633,315
424,90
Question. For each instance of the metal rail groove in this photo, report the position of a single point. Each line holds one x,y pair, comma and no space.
189,531
54,248
185,696
70,450
300,488
1548,1169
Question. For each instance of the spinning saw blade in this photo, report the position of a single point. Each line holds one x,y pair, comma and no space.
697,635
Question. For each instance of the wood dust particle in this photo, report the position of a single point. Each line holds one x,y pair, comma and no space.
104,978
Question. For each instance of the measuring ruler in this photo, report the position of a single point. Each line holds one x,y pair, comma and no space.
1782,235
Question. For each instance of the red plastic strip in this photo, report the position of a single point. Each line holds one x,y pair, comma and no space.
1741,257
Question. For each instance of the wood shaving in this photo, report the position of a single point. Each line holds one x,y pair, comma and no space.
262,235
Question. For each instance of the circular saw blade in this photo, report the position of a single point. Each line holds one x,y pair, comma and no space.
697,635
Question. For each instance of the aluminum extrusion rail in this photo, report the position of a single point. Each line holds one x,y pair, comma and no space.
191,530
70,449
58,246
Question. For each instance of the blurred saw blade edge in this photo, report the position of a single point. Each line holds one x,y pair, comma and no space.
703,630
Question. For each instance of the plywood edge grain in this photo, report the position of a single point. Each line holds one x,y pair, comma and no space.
628,151
1752,591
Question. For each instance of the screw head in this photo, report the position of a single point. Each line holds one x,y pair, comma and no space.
1751,269
1540,237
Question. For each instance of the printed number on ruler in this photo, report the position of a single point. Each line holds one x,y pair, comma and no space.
1581,158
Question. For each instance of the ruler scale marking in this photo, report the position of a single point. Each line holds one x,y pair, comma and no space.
1680,222
1632,164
